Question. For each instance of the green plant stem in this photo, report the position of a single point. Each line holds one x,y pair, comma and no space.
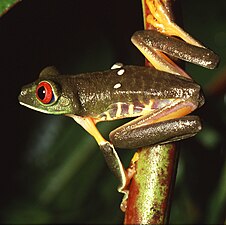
5,5
151,188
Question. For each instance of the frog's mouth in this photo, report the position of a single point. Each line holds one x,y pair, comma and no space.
33,108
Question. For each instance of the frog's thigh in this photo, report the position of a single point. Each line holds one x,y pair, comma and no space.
164,125
161,132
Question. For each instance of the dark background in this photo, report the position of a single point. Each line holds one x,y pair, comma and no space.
51,169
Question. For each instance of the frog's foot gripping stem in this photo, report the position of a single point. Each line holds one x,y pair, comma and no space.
115,165
154,43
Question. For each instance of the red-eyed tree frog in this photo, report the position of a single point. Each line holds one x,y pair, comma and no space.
160,97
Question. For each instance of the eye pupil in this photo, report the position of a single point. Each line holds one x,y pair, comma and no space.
41,93
44,92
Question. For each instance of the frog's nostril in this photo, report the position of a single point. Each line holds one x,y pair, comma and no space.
23,92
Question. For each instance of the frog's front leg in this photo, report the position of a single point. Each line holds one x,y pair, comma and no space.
111,157
164,125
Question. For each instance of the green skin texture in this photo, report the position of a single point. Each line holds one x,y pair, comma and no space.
92,94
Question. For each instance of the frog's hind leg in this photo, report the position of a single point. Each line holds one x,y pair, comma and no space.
157,133
160,43
165,125
153,44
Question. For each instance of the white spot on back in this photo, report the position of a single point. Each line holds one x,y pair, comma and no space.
121,72
118,85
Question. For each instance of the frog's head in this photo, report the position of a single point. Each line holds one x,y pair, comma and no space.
48,94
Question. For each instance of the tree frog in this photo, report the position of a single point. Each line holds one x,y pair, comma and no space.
160,97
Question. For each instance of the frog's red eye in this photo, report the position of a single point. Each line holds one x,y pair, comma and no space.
44,92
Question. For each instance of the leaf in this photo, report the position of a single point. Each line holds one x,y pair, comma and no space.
5,5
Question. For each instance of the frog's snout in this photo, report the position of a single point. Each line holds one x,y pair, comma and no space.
20,95
23,93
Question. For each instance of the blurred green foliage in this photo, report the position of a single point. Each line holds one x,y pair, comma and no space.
51,170
5,5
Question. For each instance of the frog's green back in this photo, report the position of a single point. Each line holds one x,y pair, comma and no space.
91,94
